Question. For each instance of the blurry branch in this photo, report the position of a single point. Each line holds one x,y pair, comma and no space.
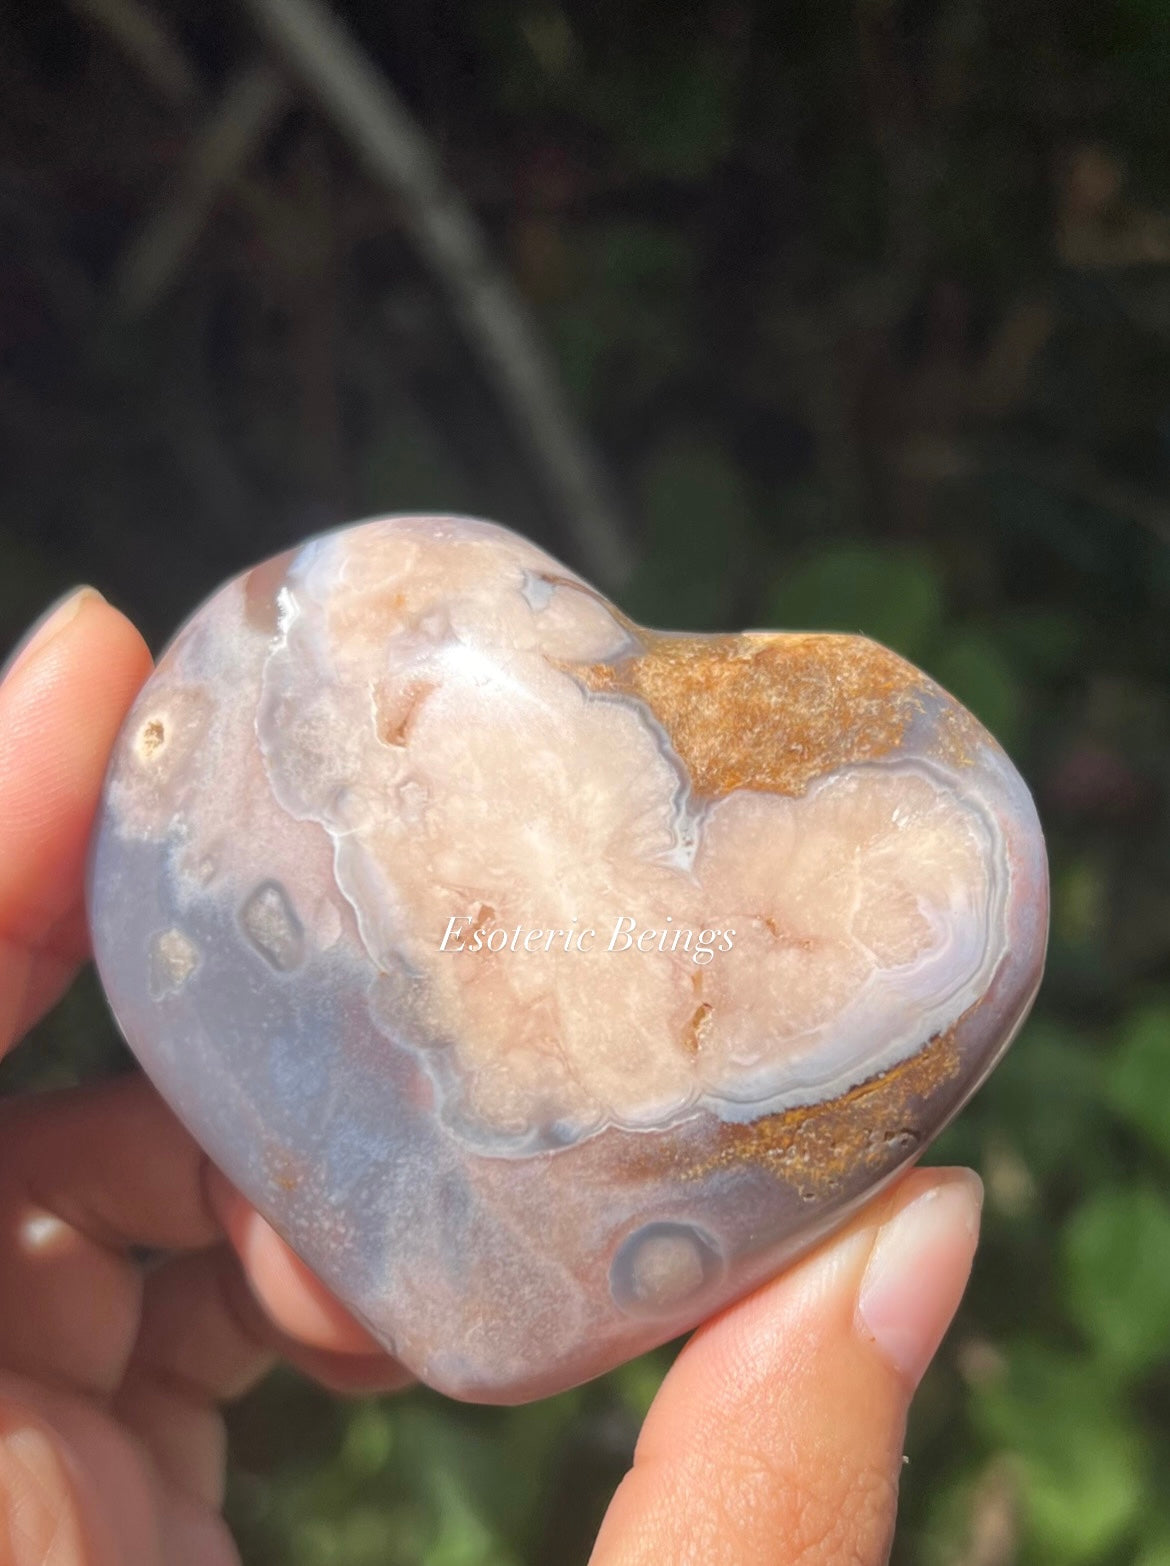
141,36
233,131
901,143
1064,471
364,107
1000,383
1080,478
993,1521
1096,226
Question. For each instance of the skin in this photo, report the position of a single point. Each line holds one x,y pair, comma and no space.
776,1437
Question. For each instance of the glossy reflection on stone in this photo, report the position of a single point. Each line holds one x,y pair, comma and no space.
548,981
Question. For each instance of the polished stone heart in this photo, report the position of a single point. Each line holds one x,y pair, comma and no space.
548,982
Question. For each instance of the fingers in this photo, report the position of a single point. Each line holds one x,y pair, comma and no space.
111,1161
777,1436
293,1297
202,1333
90,1173
61,702
39,1500
202,1340
78,1490
86,1175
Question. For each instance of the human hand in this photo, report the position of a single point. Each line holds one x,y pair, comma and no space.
111,1444
777,1435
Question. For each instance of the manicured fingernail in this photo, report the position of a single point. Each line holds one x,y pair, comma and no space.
918,1269
54,620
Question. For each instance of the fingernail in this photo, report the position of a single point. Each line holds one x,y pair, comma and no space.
918,1269
54,620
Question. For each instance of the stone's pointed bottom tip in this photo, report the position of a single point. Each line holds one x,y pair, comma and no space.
548,982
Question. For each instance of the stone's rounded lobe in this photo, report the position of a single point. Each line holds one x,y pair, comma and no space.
548,981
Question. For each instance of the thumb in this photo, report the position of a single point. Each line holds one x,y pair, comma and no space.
777,1435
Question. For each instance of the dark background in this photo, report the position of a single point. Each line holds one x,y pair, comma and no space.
860,314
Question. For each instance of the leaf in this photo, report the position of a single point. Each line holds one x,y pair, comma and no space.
1043,1102
405,469
697,512
1116,1255
1139,1078
1080,1463
464,1539
638,1382
627,328
1079,901
974,668
1041,641
369,1438
674,120
893,595
581,345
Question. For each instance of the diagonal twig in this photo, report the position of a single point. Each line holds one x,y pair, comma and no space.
1060,469
364,106
234,129
140,34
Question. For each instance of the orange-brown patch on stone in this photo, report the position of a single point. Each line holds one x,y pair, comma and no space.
958,734
775,711
152,737
783,938
285,1170
395,708
696,1027
817,1147
165,736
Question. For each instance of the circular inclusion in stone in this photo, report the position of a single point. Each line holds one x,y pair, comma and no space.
662,1266
546,981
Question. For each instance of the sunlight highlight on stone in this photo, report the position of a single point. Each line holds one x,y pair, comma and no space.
547,981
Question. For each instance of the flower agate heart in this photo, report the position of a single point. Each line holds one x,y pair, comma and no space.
545,981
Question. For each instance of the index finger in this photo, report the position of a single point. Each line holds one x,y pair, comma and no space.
61,703
777,1434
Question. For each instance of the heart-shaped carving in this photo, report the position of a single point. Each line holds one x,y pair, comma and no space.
546,981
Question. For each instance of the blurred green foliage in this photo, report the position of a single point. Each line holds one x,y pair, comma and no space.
868,309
